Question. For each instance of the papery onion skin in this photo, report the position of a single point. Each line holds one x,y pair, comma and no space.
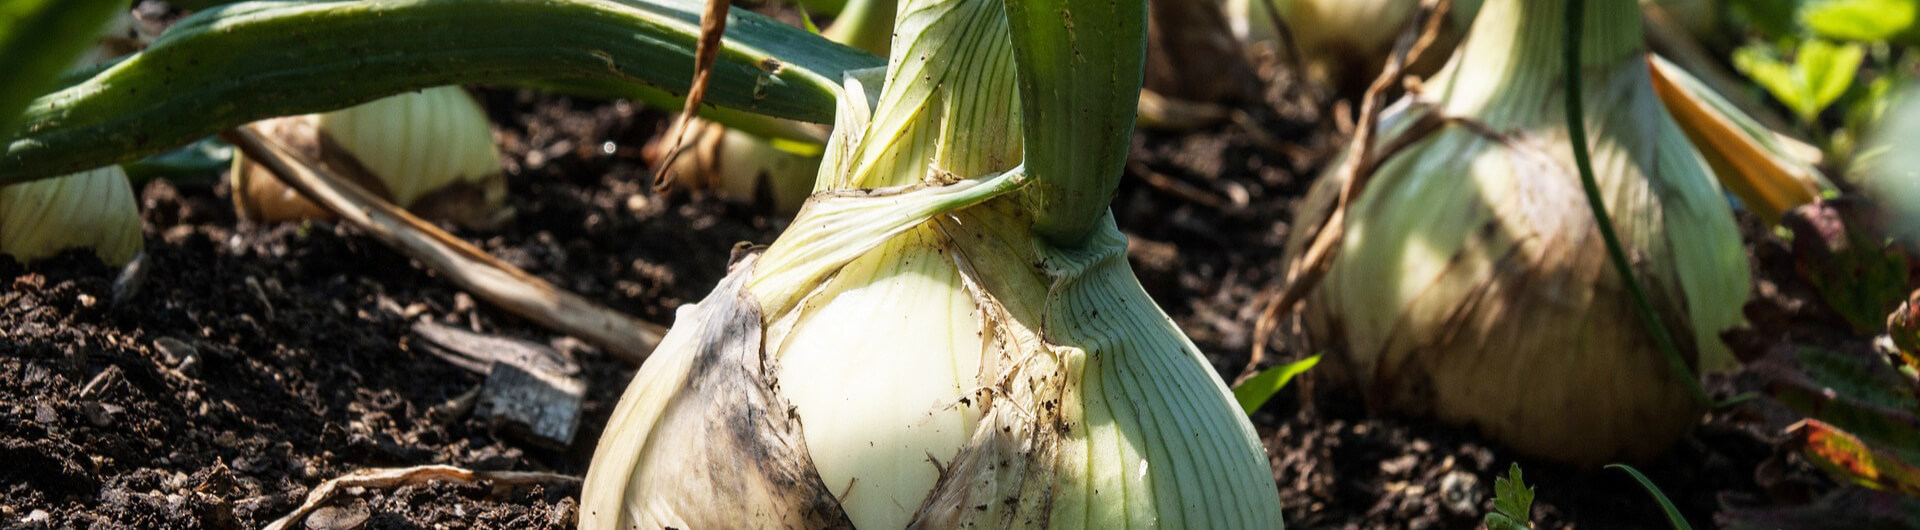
1472,284
430,151
94,210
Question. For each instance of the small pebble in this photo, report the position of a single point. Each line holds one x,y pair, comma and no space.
1460,493
127,285
177,353
101,414
36,516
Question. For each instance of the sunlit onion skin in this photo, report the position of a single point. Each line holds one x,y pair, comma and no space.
92,210
1472,285
946,363
430,151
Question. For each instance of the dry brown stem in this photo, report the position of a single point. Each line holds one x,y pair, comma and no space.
1305,272
467,266
389,478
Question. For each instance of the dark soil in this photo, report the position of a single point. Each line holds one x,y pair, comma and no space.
253,362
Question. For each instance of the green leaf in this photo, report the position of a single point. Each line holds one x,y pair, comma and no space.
1827,69
38,40
1770,17
806,21
200,160
824,7
239,63
1081,64
1512,502
1821,72
1855,377
1673,514
1255,391
1862,425
196,5
1868,21
1841,248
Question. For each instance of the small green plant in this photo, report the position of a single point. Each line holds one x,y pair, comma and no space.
1512,502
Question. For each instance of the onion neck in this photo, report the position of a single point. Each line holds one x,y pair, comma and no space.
865,24
1510,64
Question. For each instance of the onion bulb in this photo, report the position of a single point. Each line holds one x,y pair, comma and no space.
1344,42
1472,284
94,210
761,170
913,353
737,165
430,151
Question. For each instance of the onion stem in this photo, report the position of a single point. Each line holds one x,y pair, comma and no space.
1577,133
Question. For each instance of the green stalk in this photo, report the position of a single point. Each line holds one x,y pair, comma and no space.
1577,133
38,40
748,122
1081,64
197,5
823,7
1516,68
865,24
239,63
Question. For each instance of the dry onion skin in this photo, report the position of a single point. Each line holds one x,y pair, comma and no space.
1472,284
912,353
430,151
93,210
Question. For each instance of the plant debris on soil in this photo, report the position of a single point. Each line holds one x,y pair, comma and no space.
245,364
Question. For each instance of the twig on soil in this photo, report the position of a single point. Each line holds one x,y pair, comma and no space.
408,476
1175,187
1305,272
472,269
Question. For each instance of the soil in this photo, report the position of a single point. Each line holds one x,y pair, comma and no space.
248,363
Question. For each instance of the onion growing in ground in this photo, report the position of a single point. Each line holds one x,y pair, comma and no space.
92,210
1473,285
941,340
737,165
430,151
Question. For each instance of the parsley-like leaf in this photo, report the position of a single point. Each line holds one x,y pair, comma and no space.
1512,502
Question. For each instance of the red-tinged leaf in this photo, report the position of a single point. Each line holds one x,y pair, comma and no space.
1844,455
